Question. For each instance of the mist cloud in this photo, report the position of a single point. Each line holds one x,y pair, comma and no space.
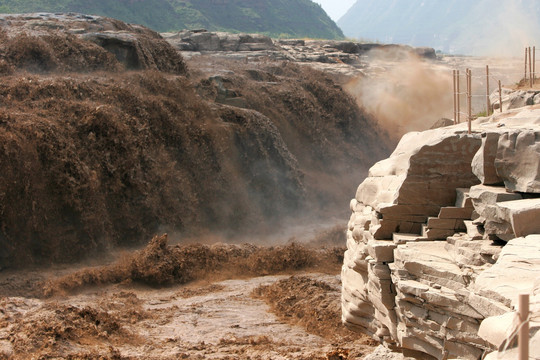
408,96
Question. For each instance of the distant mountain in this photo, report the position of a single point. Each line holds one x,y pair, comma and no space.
490,27
276,18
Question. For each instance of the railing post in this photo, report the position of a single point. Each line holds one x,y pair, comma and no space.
526,54
523,336
458,98
534,64
488,104
455,95
469,99
500,96
530,68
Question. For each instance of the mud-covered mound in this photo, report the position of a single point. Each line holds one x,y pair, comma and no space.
57,327
71,42
160,264
316,306
196,321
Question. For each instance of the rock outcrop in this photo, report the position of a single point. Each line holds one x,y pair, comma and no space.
76,42
443,235
514,99
336,56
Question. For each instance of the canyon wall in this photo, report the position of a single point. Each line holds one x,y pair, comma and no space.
445,234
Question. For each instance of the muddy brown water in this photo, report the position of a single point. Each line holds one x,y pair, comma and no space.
202,320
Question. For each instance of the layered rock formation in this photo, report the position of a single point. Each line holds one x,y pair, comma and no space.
338,57
444,234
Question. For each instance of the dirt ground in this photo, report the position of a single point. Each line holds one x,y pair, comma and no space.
121,310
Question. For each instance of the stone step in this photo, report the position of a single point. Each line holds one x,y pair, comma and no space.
463,199
473,230
403,238
448,224
436,234
492,194
483,197
453,212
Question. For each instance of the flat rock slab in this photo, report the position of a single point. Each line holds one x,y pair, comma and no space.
483,196
428,258
451,212
515,271
424,170
403,238
524,215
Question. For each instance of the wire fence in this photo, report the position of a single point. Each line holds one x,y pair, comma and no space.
529,74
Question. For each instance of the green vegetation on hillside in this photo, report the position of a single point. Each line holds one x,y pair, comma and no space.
276,18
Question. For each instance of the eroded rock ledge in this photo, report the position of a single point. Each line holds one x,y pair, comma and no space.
342,58
444,234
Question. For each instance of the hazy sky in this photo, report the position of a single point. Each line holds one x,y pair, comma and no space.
335,8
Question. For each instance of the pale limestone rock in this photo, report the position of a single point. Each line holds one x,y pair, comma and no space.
352,205
512,354
437,169
489,195
451,212
512,99
483,163
523,215
520,98
418,178
403,238
381,251
484,196
423,211
466,252
438,223
474,232
431,299
382,271
383,353
518,160
428,258
514,272
496,329
436,234
486,306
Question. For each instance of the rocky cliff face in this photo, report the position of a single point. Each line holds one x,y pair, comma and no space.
342,59
444,234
